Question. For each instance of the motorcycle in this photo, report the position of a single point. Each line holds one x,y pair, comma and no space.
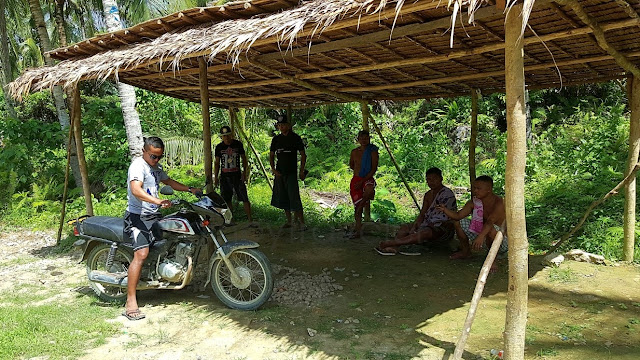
238,272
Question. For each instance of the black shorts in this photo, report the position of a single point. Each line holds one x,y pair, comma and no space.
230,182
141,230
286,193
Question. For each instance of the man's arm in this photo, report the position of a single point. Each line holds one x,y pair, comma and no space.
352,160
303,162
272,162
180,187
140,194
457,215
216,171
423,211
245,167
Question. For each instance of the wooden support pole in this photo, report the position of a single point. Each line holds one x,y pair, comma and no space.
632,159
234,118
477,294
290,115
393,159
76,114
473,136
516,317
365,115
206,125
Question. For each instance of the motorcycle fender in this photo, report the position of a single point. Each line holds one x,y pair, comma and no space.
89,245
226,250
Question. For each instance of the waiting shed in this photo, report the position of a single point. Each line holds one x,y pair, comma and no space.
285,53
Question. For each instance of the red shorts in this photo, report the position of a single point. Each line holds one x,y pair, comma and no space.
357,193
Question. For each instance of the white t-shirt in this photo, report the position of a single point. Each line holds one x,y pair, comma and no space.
140,170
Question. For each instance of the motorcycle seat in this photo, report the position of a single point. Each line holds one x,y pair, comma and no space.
104,227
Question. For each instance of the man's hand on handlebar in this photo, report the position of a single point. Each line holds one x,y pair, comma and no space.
165,204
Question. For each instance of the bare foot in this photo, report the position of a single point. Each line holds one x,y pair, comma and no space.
494,268
460,255
354,235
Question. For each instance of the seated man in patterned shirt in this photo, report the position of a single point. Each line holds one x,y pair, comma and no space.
432,225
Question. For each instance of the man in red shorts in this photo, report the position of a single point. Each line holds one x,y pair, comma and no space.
364,163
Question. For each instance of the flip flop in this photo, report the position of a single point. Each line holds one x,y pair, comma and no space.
285,226
134,314
384,253
409,253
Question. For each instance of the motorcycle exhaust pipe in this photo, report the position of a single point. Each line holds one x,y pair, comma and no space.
105,278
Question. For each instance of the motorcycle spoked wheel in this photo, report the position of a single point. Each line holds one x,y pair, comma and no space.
256,283
97,260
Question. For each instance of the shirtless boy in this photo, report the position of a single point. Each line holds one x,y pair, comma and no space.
364,163
488,213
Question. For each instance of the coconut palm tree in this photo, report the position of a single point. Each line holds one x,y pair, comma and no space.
7,75
58,96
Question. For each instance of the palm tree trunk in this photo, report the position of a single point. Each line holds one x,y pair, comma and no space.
127,92
4,58
58,97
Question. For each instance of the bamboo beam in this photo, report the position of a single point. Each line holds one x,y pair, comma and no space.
234,118
406,62
598,32
206,125
76,114
267,97
516,318
474,134
632,159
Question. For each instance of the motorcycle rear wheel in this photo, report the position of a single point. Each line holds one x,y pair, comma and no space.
256,283
97,260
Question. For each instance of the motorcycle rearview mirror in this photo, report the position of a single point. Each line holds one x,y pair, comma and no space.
166,190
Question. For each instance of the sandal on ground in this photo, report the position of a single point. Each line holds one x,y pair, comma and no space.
303,227
409,251
385,251
352,235
285,226
134,314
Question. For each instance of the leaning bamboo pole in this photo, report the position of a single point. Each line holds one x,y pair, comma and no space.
593,205
206,124
632,159
473,136
65,190
234,118
366,114
477,294
393,159
516,317
76,112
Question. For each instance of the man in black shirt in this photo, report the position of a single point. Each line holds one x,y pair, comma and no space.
286,193
227,157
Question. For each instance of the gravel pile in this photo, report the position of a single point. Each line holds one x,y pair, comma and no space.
294,287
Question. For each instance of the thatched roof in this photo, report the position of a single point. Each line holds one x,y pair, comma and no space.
363,49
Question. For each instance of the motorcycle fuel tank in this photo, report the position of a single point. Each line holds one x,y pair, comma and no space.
176,225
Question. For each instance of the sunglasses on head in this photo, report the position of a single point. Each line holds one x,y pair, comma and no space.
155,157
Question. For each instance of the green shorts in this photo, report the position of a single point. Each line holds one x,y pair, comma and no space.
286,193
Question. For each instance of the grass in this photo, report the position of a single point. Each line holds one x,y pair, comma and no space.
54,330
562,275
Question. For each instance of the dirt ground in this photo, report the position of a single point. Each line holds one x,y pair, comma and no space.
394,307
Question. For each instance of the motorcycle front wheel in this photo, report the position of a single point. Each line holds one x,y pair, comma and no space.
97,260
255,283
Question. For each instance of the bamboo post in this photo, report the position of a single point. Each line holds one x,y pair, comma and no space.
65,191
76,114
477,294
234,118
290,115
516,317
474,134
393,159
206,124
630,188
365,115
